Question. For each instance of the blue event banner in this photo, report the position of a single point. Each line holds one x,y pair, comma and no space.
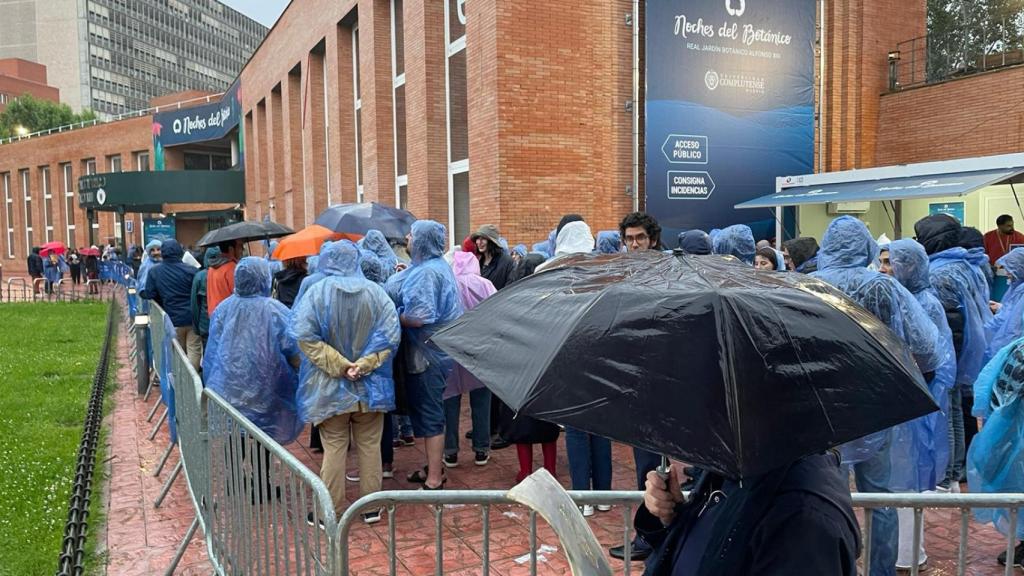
730,106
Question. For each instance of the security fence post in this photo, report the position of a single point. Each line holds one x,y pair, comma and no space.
142,354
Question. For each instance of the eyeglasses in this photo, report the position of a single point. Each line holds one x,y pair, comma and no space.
637,238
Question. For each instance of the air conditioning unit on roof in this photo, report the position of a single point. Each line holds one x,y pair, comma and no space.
837,208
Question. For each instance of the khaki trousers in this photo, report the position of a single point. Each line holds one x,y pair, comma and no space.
191,343
366,428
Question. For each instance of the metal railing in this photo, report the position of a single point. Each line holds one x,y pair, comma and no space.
122,116
24,288
960,52
259,507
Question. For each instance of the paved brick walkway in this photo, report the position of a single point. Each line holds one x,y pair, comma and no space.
141,540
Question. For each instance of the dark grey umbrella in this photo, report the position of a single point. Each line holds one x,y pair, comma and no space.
245,232
359,219
696,357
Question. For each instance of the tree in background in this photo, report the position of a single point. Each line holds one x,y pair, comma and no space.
963,35
28,114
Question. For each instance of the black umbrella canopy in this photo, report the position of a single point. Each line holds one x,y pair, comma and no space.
696,357
245,232
361,218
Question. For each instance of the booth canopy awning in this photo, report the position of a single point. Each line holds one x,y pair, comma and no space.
149,191
902,188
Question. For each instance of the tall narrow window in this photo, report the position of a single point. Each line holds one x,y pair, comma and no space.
142,161
398,95
358,106
69,203
44,181
26,193
114,163
9,214
458,127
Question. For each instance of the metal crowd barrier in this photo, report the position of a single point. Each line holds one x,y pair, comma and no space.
24,288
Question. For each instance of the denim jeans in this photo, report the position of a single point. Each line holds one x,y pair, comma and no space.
401,425
955,469
590,460
872,476
645,462
480,410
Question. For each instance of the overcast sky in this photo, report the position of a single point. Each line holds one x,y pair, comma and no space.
263,11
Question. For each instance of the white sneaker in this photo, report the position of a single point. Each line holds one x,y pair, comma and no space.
587,510
604,507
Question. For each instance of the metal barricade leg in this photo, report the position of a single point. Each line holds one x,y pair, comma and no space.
163,458
180,553
159,423
167,485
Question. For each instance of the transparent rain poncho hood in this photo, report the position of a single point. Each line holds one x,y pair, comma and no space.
846,251
371,267
427,293
960,284
574,238
609,242
1005,327
736,240
146,264
997,450
473,288
920,448
246,359
355,317
375,242
314,266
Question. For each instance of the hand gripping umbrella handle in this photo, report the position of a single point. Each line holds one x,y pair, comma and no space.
663,470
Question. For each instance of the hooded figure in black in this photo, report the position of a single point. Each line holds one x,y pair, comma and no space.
797,519
169,284
804,253
35,263
696,242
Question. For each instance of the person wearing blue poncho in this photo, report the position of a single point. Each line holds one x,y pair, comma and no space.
609,242
149,259
696,242
921,448
1005,327
995,460
375,242
427,298
250,358
348,331
962,289
314,274
736,240
846,251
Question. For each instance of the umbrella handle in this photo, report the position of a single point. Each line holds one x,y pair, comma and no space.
663,469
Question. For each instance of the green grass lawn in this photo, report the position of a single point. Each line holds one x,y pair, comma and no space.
48,355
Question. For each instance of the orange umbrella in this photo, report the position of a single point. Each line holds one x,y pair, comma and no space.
307,242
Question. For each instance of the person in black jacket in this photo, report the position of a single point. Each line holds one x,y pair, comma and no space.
288,280
803,252
495,263
169,284
35,265
797,519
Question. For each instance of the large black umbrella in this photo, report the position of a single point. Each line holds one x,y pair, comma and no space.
695,357
245,232
361,218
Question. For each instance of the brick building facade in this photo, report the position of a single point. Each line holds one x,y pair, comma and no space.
472,112
19,77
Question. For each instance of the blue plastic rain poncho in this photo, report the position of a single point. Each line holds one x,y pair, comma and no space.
696,242
248,352
349,315
846,251
167,375
541,248
144,268
375,242
315,274
426,293
920,448
736,240
1005,327
53,271
961,285
372,268
609,242
274,264
520,250
995,460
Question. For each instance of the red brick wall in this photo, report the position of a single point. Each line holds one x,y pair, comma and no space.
77,146
974,116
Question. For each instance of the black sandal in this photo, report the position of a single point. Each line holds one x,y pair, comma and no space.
417,476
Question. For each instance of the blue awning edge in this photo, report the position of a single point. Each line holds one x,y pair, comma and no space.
898,188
